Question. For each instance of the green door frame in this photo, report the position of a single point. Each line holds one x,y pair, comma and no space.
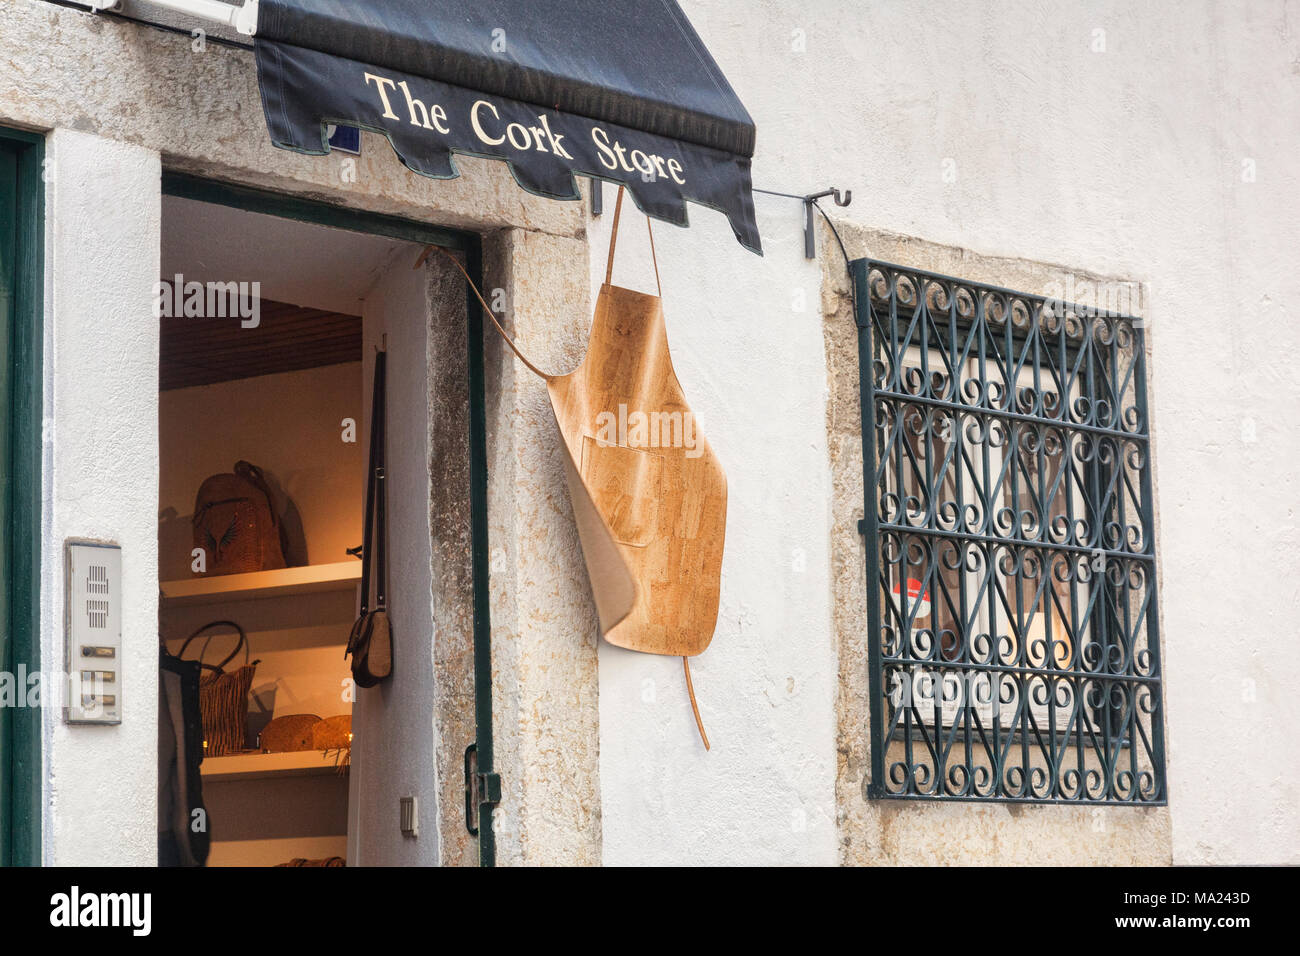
22,270
354,220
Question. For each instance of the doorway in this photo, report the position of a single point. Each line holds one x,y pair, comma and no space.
283,380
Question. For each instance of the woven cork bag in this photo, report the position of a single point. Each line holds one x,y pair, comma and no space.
223,695
235,524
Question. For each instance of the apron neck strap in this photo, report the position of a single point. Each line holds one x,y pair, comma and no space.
613,241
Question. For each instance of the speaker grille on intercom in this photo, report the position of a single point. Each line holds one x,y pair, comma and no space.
97,579
97,583
97,613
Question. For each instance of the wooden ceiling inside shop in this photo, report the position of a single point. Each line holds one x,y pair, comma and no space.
287,338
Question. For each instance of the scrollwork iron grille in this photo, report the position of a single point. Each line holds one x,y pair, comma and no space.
1010,545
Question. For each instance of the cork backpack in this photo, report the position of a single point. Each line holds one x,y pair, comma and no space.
235,524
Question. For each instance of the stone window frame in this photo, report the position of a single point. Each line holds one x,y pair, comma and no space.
894,832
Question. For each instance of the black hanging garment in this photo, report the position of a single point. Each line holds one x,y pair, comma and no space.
183,835
371,640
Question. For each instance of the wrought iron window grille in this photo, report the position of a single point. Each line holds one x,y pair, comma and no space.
1013,652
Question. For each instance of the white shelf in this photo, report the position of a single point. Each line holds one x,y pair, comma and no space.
253,766
282,582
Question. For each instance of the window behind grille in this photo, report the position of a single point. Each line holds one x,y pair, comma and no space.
1010,555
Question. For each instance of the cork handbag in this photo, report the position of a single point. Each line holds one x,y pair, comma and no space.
223,695
649,495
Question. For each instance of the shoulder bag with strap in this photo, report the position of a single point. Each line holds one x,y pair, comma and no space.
371,640
223,694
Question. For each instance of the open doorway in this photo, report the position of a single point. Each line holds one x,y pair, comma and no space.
266,358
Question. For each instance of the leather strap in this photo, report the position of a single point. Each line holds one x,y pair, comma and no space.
372,487
695,708
613,241
250,472
379,469
609,274
219,668
486,308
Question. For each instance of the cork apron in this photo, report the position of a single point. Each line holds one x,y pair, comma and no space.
649,495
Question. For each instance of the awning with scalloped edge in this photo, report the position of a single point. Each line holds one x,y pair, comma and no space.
619,90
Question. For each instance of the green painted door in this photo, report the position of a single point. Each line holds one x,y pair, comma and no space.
21,241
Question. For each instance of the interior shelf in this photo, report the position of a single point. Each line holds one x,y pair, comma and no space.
251,766
281,582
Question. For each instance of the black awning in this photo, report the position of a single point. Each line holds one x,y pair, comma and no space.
621,90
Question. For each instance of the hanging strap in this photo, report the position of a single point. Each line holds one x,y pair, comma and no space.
375,461
613,241
219,668
486,308
695,708
378,473
251,473
609,272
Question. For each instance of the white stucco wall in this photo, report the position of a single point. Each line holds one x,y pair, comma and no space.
994,127
101,479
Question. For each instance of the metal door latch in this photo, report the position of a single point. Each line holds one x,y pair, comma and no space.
481,789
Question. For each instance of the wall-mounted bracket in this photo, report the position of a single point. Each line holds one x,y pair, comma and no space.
809,230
